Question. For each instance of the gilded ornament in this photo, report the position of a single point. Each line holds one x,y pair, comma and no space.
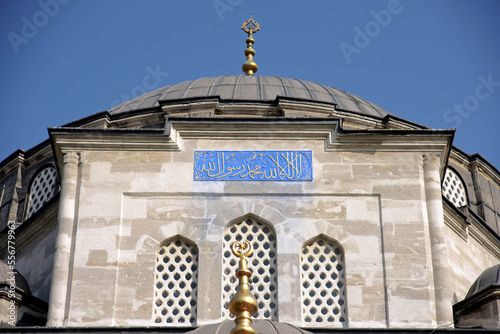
243,304
250,26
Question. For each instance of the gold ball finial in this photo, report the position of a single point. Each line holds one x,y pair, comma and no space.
250,26
243,305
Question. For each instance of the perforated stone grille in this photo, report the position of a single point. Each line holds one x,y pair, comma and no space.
176,284
453,189
262,264
43,188
323,284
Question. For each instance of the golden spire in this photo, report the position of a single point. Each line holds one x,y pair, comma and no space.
250,26
243,304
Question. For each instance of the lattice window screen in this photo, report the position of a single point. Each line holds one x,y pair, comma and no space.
323,284
453,189
43,188
176,284
262,264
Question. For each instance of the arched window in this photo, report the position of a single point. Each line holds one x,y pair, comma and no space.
453,188
262,263
176,284
43,187
323,284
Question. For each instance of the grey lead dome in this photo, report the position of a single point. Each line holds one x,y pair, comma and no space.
261,326
489,277
252,89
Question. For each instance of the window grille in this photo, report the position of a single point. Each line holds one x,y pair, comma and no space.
453,189
176,284
43,188
323,284
262,264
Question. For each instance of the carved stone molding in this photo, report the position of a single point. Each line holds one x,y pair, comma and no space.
71,157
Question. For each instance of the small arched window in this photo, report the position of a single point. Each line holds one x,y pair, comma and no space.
262,263
176,284
43,187
322,274
453,188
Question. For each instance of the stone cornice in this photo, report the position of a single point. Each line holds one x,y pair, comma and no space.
467,224
486,169
477,300
460,158
137,121
35,226
22,298
25,158
78,139
475,161
253,128
11,164
326,128
484,237
455,220
281,106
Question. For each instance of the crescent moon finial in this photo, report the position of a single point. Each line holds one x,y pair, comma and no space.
242,249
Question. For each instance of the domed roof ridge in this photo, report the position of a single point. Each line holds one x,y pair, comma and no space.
261,326
6,273
490,276
257,88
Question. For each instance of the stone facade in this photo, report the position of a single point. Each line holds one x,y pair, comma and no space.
131,202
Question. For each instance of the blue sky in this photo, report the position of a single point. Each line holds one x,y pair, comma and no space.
436,63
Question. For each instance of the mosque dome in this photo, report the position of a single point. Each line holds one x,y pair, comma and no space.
253,89
260,326
6,274
489,277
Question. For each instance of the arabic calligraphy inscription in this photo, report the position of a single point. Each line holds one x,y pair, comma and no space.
253,166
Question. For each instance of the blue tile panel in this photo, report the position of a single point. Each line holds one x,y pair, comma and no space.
253,166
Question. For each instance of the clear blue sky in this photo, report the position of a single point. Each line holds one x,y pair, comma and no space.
436,63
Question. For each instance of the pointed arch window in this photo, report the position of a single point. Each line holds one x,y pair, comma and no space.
323,284
262,263
176,284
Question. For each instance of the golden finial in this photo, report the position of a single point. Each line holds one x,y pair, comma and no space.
250,26
243,304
